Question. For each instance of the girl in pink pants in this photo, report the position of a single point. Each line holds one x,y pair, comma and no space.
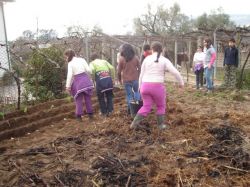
151,84
151,96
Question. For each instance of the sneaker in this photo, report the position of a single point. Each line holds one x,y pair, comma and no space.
109,114
209,91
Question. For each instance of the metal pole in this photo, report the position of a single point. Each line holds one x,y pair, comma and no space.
215,47
5,35
87,47
175,53
113,57
37,30
189,54
103,51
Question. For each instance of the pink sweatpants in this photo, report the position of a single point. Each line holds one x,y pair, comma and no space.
153,93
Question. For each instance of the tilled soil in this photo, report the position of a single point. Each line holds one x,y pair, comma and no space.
207,144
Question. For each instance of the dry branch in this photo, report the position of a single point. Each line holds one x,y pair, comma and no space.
233,168
22,172
57,178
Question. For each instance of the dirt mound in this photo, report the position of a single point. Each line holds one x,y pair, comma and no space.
228,145
19,123
110,170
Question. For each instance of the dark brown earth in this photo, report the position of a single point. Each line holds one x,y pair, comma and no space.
207,144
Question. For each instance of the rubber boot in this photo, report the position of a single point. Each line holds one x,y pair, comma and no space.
160,122
79,118
91,116
138,118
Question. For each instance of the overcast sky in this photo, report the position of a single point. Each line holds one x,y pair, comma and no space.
113,16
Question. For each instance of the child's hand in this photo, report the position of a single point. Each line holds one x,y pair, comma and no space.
68,90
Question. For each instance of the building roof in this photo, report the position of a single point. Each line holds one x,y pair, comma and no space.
7,0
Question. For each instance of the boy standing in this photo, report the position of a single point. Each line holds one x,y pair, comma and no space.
230,63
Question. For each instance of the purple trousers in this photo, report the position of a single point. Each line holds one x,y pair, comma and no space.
82,87
79,104
153,93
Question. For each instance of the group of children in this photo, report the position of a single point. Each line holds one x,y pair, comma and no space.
142,81
204,62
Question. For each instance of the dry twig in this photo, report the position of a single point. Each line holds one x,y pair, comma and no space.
128,182
180,183
57,178
57,154
97,185
237,169
21,171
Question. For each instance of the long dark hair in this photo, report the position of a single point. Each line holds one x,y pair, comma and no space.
127,51
146,47
209,42
157,47
70,53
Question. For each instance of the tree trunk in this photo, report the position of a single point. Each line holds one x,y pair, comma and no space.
242,70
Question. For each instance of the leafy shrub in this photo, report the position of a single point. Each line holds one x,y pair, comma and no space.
43,80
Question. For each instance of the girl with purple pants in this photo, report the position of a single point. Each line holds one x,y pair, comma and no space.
78,83
152,88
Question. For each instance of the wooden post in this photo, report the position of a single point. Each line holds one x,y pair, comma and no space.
190,59
215,47
102,55
189,54
113,57
87,47
175,52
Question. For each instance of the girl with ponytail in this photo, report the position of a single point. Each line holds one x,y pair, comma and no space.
152,86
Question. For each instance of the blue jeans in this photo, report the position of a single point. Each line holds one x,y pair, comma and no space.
208,75
132,91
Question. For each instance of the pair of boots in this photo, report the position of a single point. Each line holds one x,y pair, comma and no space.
138,118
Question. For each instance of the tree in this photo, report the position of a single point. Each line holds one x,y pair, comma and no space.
42,35
46,35
147,23
163,21
76,31
217,19
28,35
240,82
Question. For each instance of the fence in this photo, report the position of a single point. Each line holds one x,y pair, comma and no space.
180,51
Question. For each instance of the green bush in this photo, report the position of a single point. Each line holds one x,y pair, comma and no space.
43,80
